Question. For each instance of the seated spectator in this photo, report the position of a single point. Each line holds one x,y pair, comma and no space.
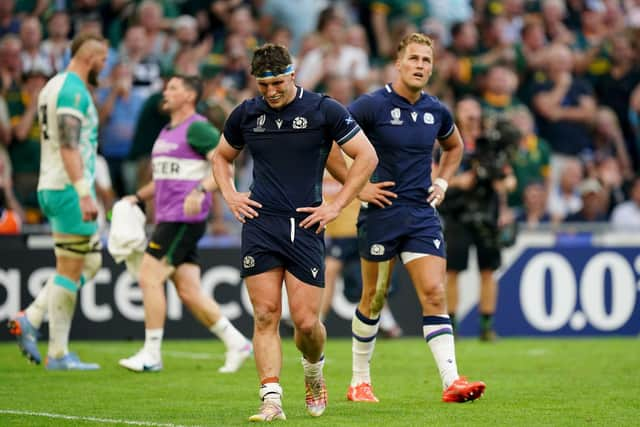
609,142
626,215
564,198
564,107
333,57
10,63
32,55
534,210
25,145
531,159
593,209
57,42
9,23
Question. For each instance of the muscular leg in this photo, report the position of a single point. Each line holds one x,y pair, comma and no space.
427,274
265,291
62,298
151,278
304,304
364,326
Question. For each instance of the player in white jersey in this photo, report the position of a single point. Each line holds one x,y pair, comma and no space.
66,193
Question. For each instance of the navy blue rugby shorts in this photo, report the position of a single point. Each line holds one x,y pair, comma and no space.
385,233
271,241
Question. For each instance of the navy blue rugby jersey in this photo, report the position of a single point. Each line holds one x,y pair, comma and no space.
403,135
289,147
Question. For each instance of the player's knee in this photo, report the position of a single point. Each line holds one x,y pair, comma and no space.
434,294
306,324
189,295
92,264
266,316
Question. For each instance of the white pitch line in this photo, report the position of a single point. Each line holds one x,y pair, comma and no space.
88,419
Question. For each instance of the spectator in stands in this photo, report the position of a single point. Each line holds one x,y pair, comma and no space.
145,67
5,123
57,42
333,57
565,108
593,209
626,216
554,13
9,23
498,97
609,142
32,55
614,89
535,210
532,156
25,146
10,63
564,198
150,18
383,15
118,108
300,17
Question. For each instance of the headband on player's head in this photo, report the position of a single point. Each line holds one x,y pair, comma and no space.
269,74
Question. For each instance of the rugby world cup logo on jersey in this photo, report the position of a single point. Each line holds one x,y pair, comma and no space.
428,118
395,117
299,123
260,123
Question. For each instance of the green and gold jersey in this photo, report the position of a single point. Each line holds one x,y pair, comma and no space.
65,93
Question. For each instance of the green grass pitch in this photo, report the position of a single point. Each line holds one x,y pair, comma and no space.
530,382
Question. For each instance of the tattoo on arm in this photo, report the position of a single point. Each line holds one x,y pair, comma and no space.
69,130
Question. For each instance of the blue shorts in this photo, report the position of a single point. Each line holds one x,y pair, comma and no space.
385,233
270,241
343,249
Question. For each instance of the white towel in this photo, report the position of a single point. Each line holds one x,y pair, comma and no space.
127,238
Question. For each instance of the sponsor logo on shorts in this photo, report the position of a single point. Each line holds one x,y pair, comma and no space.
436,242
248,262
377,249
154,245
314,271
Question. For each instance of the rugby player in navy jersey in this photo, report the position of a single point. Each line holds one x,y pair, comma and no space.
289,133
403,122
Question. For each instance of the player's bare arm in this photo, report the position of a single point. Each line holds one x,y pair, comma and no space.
365,161
452,150
193,202
240,204
69,132
374,193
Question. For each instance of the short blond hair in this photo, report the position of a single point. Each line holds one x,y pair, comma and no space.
417,38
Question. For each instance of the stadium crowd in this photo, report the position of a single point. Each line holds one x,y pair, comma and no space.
565,73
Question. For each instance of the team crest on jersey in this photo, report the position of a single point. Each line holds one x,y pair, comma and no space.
395,117
299,123
248,262
428,118
260,123
377,249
